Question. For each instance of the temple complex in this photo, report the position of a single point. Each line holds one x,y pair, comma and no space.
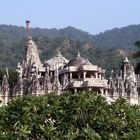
59,75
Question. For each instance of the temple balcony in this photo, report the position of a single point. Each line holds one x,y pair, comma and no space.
88,82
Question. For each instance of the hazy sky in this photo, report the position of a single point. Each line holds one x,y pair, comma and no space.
93,16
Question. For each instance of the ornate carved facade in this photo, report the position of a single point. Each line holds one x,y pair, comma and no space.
125,84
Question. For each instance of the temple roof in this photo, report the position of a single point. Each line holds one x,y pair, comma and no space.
58,60
78,61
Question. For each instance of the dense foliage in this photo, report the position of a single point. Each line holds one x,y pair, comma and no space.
78,116
100,49
136,55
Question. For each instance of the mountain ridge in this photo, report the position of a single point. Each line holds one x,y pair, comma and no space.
127,35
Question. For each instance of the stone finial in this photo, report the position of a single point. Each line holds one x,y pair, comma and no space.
111,75
78,55
126,60
59,53
7,73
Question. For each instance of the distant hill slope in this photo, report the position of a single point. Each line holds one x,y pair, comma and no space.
100,49
119,37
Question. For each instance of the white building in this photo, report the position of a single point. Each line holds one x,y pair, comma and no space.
59,75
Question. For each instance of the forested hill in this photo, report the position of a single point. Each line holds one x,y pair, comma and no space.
10,31
113,44
118,37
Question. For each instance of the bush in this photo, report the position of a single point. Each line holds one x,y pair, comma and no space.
78,116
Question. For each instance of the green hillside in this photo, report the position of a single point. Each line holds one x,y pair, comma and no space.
99,49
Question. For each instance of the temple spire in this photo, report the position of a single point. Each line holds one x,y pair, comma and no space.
5,89
5,84
111,74
58,53
126,60
78,55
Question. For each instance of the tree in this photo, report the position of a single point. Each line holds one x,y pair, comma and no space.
71,116
137,55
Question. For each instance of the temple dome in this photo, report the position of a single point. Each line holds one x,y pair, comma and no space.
78,61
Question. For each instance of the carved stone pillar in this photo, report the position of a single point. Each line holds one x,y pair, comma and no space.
99,76
96,75
70,76
84,75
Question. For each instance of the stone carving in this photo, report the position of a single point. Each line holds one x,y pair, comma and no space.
65,82
5,85
35,85
57,61
18,89
56,86
47,83
126,83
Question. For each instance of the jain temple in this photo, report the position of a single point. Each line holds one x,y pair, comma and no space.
59,75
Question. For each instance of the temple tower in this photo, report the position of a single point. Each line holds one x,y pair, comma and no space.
130,82
5,90
31,59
